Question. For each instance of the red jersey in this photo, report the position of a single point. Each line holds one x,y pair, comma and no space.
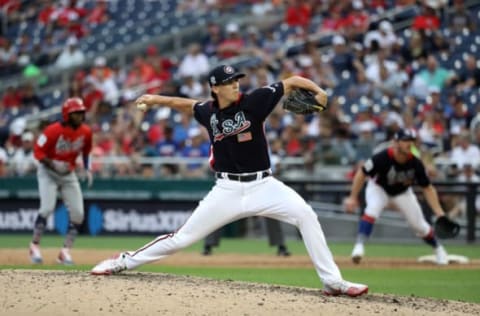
63,143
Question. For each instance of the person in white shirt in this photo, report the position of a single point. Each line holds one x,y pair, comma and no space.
23,162
465,152
71,56
195,64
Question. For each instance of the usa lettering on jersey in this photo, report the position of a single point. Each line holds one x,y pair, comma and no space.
229,127
63,145
406,177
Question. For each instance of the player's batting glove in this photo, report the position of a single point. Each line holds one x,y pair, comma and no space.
446,228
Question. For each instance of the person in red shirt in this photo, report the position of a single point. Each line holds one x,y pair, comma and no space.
427,20
299,13
56,150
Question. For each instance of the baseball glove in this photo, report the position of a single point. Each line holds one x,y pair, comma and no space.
302,101
446,228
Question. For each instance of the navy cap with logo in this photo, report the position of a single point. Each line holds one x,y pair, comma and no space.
405,134
222,74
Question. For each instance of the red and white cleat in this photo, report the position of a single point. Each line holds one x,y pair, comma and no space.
114,265
64,257
35,254
345,288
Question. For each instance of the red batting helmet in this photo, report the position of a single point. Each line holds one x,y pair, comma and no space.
72,105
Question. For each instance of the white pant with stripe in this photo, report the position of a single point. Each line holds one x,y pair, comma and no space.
231,200
407,203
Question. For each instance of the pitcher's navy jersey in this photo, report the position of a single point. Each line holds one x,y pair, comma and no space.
393,177
237,132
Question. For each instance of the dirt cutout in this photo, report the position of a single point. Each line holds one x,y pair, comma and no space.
66,293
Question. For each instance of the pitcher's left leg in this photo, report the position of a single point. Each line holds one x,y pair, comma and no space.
276,200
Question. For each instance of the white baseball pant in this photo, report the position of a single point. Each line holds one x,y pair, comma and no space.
407,203
229,201
48,185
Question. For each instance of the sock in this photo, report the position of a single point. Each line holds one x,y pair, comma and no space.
71,235
38,229
365,228
430,239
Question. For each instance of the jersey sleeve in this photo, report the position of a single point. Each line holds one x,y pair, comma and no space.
44,143
421,174
88,141
370,166
201,112
263,100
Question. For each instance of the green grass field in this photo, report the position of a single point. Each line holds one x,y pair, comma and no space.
444,283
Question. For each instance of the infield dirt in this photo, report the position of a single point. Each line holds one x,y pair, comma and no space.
46,293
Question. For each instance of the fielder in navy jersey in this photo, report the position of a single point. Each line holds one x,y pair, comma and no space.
392,172
245,186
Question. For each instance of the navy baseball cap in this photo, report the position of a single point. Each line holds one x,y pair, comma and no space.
222,74
405,134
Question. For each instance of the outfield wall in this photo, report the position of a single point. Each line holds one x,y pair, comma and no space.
134,206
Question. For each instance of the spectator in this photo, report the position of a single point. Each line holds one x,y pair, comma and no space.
23,162
460,18
432,103
191,87
415,49
362,87
341,58
298,13
432,128
331,22
460,118
196,147
11,98
465,152
8,57
168,148
194,63
384,35
71,56
212,40
102,78
99,14
31,101
233,43
432,75
428,20
356,23
469,75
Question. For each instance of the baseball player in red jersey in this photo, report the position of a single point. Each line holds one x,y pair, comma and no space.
245,186
56,150
392,173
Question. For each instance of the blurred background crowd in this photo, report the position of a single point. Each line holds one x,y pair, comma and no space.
385,64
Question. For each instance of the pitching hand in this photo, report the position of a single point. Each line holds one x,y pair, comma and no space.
145,101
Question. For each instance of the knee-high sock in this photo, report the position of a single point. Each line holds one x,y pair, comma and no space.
38,229
430,239
71,235
365,227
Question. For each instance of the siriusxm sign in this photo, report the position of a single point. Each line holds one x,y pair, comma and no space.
110,217
129,220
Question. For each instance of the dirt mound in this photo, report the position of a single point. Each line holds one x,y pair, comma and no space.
38,292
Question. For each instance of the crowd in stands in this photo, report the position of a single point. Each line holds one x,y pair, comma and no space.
424,75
